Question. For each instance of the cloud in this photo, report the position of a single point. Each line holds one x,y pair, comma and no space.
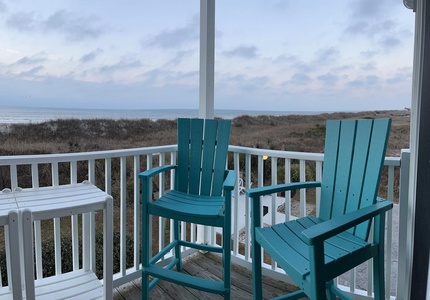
402,76
327,55
74,27
248,52
178,58
328,79
368,81
23,21
367,9
34,59
91,56
370,29
124,64
31,72
281,5
368,54
3,7
371,66
390,42
299,79
68,92
173,38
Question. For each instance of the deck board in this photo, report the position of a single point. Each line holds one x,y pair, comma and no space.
206,266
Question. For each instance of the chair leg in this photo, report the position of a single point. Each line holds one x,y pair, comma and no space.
177,237
257,290
378,260
145,252
378,276
329,291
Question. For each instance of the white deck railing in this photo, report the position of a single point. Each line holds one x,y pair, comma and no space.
116,172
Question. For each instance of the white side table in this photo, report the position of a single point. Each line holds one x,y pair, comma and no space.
59,201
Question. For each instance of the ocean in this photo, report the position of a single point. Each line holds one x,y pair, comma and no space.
14,115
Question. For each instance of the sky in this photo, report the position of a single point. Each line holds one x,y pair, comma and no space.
283,55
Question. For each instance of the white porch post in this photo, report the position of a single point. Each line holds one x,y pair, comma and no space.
417,258
207,77
207,59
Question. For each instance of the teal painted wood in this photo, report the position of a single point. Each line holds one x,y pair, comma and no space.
375,162
184,127
329,170
220,156
209,155
343,170
196,144
202,195
314,250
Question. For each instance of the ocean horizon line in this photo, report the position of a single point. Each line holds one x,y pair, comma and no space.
19,115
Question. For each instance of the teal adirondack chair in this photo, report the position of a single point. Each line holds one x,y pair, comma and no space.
312,250
201,195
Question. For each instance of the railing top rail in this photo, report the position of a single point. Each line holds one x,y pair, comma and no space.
389,161
67,157
277,153
81,156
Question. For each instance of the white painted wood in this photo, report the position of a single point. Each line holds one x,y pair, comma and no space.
10,222
123,215
417,82
108,176
302,167
57,246
235,210
137,209
287,193
389,232
404,263
207,59
247,207
56,202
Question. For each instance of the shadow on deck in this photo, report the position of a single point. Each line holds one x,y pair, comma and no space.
206,266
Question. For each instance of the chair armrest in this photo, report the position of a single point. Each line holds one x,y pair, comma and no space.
154,171
332,227
229,180
265,190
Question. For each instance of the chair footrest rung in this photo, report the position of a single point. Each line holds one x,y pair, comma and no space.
216,287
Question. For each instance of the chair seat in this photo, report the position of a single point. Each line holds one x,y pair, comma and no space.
284,243
72,285
189,208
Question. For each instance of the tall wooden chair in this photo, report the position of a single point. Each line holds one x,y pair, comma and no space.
314,250
201,195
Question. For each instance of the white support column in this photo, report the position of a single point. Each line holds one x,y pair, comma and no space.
207,59
207,77
419,243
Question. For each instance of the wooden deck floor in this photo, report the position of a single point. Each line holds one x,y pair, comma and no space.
207,266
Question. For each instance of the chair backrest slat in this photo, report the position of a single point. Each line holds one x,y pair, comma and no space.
202,155
344,164
182,176
196,144
353,161
329,171
375,163
221,156
211,127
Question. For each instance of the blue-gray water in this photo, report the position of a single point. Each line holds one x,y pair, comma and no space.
13,115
